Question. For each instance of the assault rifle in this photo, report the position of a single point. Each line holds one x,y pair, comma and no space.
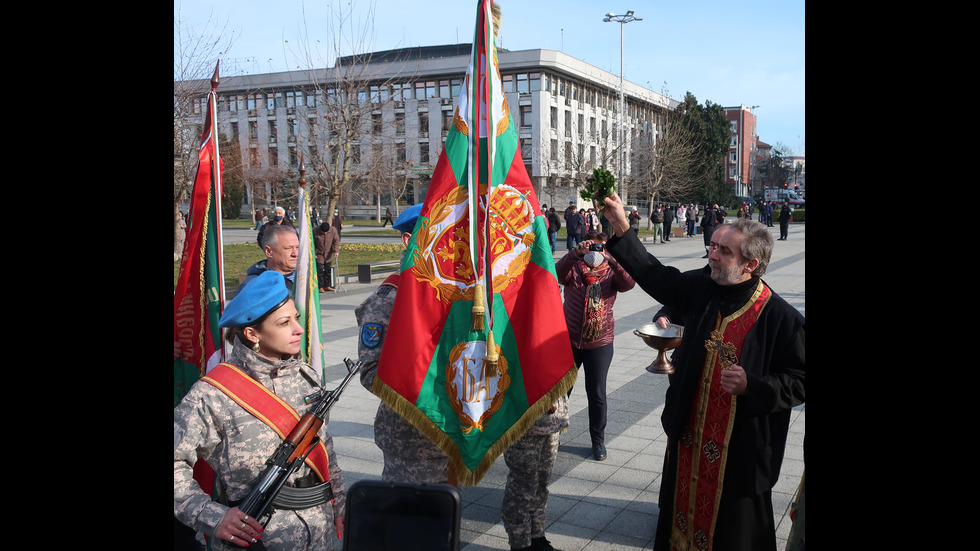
290,454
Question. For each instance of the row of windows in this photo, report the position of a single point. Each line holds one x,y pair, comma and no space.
377,126
562,154
575,156
526,118
428,89
400,156
447,88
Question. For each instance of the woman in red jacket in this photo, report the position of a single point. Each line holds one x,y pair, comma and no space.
592,279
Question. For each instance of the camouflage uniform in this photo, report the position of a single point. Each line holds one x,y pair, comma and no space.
409,455
210,426
530,461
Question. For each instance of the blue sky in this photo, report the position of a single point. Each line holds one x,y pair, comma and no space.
729,53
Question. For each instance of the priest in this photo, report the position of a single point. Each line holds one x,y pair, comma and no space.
741,368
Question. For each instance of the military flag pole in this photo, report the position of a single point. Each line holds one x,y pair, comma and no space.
307,287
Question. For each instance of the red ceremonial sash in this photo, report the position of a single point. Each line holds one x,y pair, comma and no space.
261,402
703,448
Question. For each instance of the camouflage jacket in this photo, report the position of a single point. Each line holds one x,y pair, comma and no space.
419,459
208,425
551,423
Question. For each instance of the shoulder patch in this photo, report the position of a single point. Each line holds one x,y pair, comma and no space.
372,334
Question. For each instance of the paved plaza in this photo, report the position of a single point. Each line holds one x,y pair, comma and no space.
593,506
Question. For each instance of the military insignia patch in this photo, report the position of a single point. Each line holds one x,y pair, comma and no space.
371,334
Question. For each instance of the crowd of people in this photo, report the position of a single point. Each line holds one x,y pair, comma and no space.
664,217
741,366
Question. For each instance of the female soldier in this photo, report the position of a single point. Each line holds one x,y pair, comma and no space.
233,418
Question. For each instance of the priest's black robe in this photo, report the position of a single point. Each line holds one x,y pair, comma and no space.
774,359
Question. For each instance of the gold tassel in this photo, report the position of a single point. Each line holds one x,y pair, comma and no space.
495,15
478,308
490,362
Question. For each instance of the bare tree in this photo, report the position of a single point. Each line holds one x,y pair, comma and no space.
197,49
665,159
352,109
568,162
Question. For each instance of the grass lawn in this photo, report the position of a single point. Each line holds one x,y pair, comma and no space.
239,257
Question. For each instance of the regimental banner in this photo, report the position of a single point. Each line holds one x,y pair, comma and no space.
477,348
199,295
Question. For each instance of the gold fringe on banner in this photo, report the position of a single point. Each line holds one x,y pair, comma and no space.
463,475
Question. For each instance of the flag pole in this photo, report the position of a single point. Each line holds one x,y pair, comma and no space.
306,286
218,183
218,191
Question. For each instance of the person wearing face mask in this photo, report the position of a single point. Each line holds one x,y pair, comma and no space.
278,219
592,280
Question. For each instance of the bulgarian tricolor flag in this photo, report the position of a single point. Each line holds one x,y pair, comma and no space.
306,286
477,347
200,293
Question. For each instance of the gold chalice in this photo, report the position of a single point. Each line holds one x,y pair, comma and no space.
663,339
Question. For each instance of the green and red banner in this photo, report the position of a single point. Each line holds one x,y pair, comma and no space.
477,347
200,293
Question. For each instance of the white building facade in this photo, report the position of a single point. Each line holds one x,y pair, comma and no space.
566,112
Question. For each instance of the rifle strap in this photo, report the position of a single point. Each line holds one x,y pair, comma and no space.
267,407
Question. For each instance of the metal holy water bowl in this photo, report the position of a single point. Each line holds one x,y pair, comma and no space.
662,339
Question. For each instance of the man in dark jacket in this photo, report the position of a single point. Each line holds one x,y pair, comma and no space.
743,346
326,246
668,221
713,216
574,225
785,215
657,218
554,224
278,219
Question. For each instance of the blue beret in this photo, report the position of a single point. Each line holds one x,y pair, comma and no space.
259,297
406,221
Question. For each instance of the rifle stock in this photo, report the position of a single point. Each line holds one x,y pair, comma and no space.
293,450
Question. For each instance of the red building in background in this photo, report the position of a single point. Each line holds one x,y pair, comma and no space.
741,151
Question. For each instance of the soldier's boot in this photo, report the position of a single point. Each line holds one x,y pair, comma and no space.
541,544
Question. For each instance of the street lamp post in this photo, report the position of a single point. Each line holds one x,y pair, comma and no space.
622,20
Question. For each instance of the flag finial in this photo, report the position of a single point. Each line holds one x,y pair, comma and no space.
302,171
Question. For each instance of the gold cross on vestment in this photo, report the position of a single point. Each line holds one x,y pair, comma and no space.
725,350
